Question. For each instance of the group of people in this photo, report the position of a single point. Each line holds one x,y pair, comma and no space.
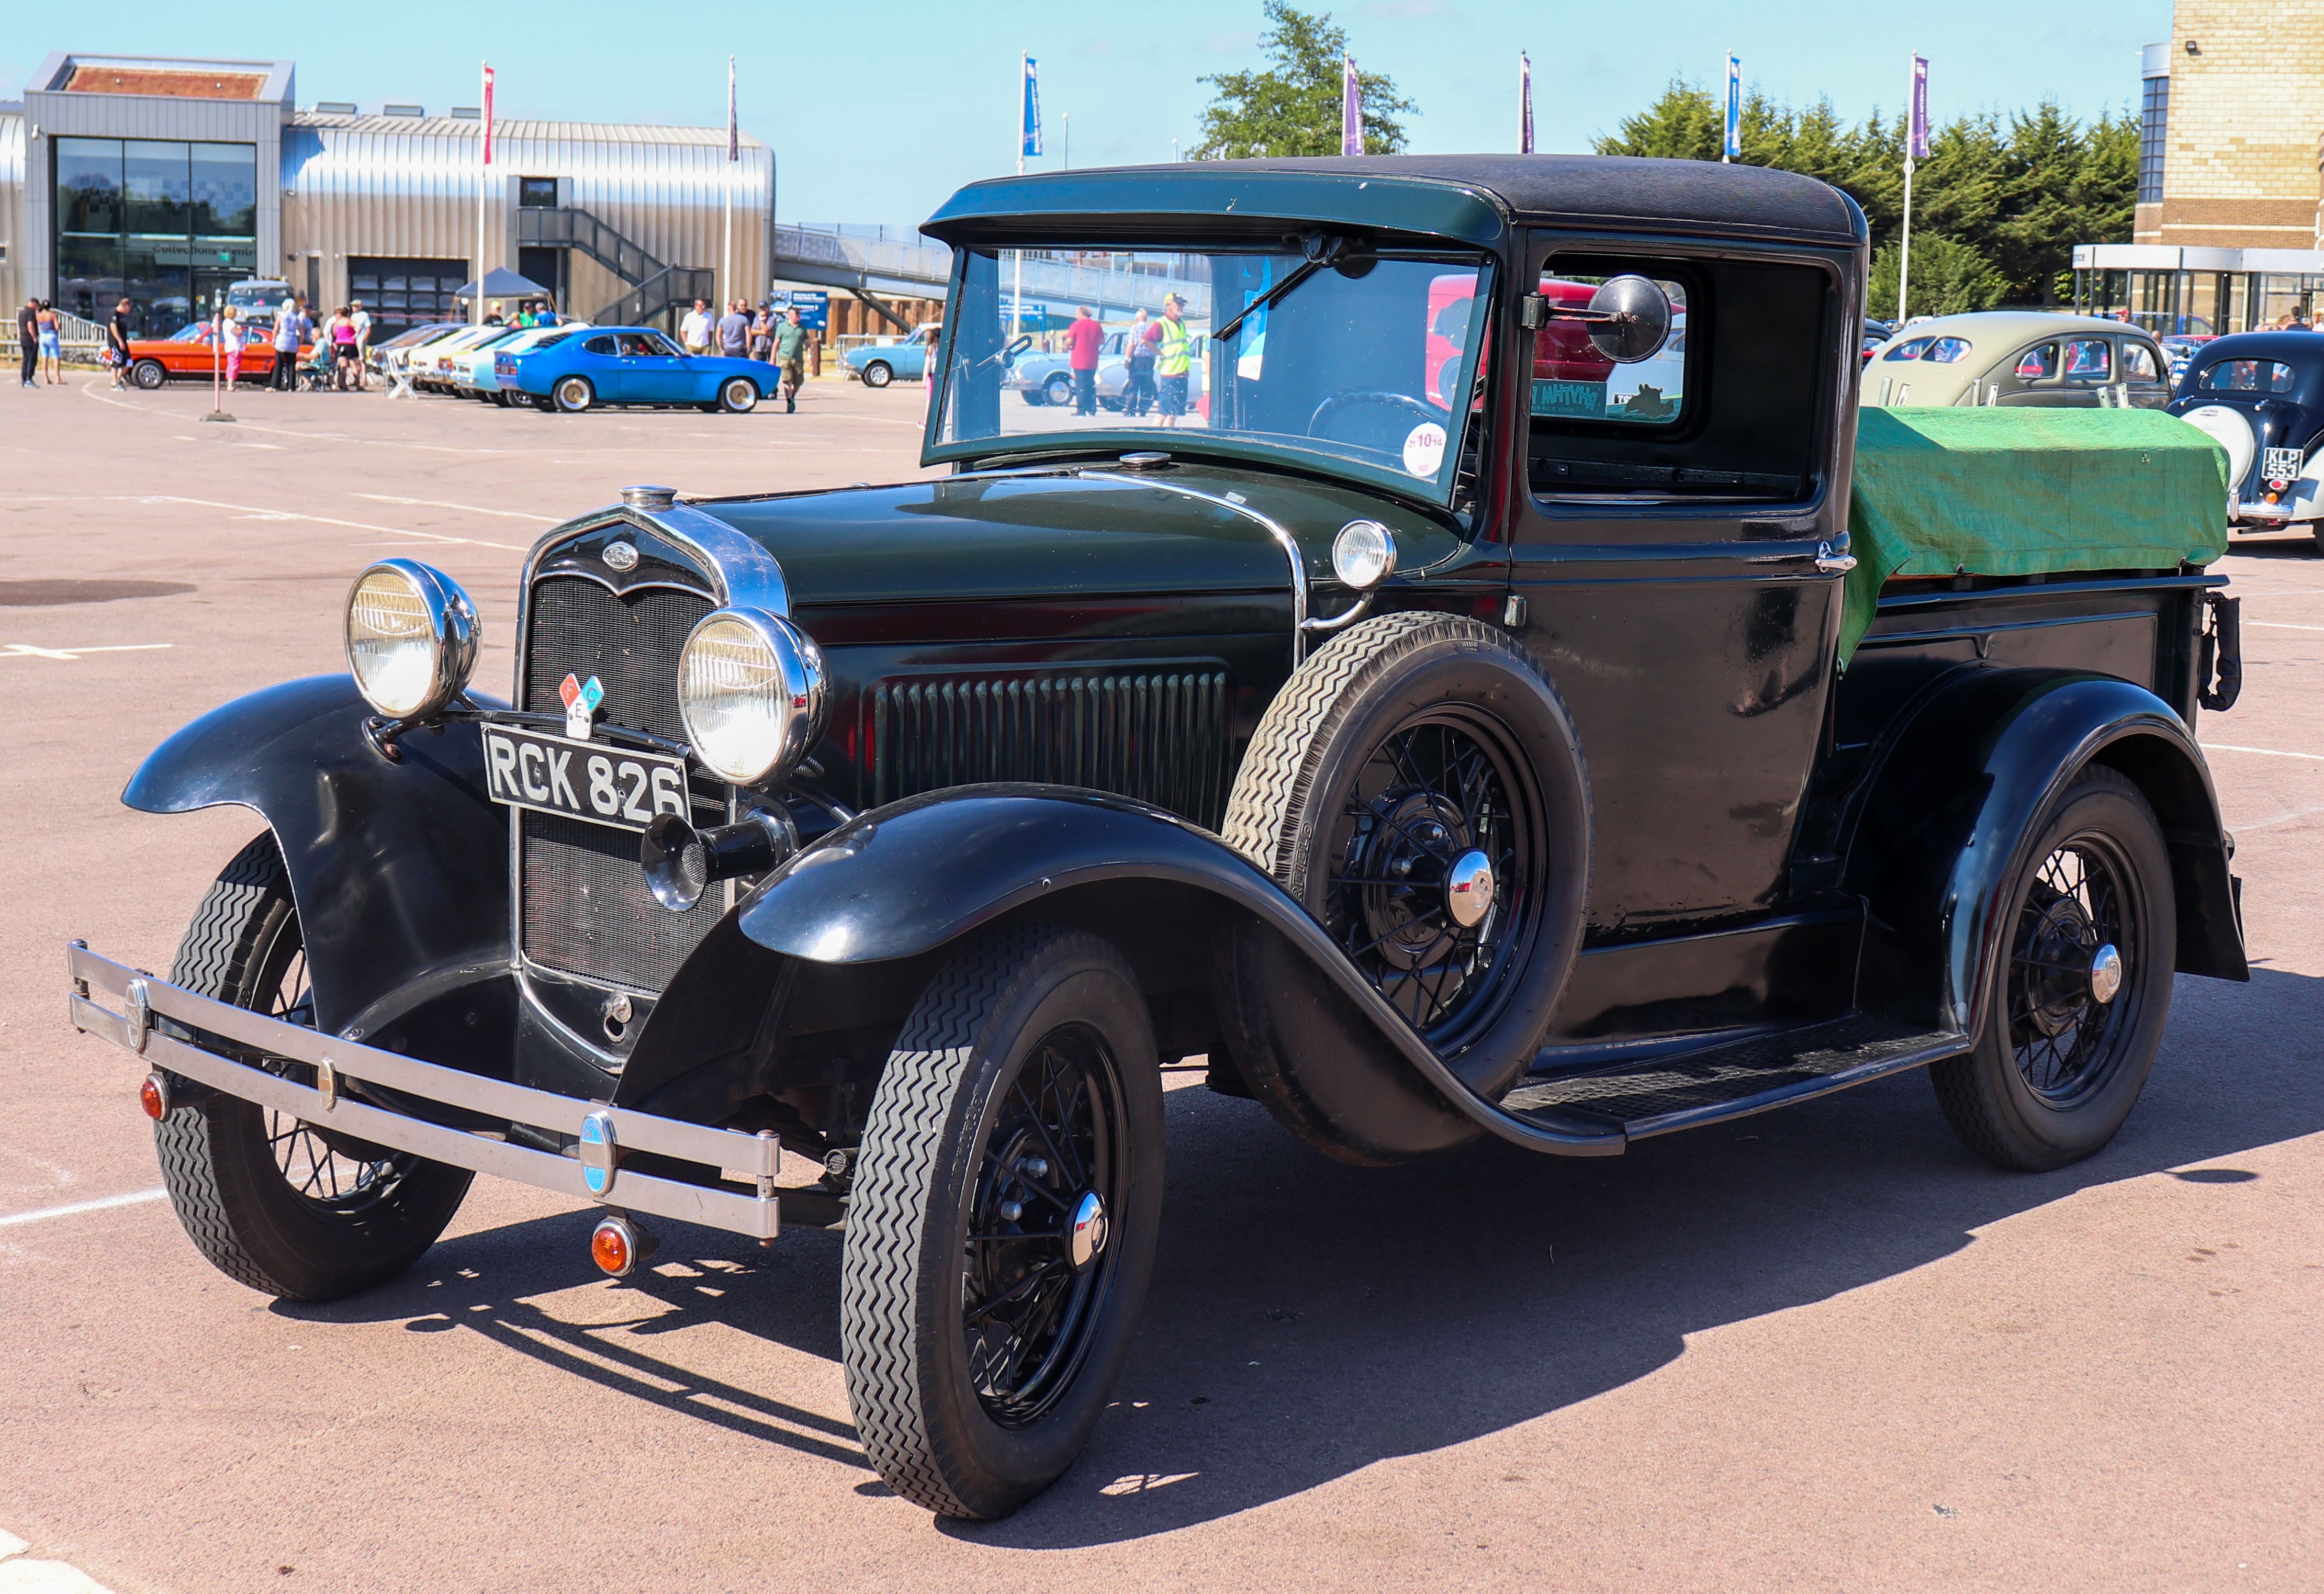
529,312
38,335
781,340
1158,351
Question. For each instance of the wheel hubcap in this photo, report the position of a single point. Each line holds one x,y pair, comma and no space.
2069,969
1087,1238
1469,889
2105,973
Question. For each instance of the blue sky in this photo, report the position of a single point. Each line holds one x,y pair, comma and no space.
922,98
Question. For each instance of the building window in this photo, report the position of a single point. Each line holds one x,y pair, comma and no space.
2154,119
536,193
166,223
400,293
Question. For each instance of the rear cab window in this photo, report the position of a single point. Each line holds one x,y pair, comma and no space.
2089,359
2247,376
598,345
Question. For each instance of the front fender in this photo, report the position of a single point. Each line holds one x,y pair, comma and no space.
399,870
1952,809
913,877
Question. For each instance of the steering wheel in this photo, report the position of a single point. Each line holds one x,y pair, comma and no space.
1349,396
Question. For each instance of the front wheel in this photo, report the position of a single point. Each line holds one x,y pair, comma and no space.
2079,993
574,395
149,374
300,1213
1058,390
738,395
879,373
1006,1207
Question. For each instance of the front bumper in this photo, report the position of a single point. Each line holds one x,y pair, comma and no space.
745,1201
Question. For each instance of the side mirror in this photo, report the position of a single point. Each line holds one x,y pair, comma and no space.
1630,319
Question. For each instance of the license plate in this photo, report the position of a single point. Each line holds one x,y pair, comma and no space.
582,779
2279,465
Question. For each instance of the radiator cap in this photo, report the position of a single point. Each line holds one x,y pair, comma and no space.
649,497
1145,460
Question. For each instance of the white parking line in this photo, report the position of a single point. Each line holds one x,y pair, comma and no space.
2266,752
244,509
20,1574
26,650
2281,626
101,1204
2273,820
506,514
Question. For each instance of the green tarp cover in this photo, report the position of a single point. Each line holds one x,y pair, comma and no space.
2026,493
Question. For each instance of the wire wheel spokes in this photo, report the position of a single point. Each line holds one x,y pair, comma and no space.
1438,790
319,1166
1029,1309
2065,1039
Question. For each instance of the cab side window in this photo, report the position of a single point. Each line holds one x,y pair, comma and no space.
2138,363
598,345
2037,363
2089,359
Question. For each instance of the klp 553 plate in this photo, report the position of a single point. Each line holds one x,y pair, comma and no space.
582,779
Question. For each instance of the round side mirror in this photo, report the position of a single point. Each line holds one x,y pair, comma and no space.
1641,319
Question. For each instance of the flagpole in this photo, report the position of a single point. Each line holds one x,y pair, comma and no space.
726,256
1023,136
1917,115
484,175
1904,245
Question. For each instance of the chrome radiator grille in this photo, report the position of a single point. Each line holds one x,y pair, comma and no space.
1159,736
582,906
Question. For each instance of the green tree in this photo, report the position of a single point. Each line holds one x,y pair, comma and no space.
1292,108
2017,196
1948,277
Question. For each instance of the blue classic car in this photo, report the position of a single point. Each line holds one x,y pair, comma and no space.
632,365
905,359
2260,395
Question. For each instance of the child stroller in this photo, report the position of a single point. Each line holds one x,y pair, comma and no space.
315,372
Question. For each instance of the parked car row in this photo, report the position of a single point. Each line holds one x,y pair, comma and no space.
573,366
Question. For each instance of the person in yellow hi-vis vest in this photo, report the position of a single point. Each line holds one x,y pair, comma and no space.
1173,357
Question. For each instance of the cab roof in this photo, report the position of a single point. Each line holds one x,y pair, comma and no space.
1477,198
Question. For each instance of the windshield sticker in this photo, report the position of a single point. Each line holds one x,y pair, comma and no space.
1423,449
1583,399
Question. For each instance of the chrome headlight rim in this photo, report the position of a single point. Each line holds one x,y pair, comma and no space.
455,636
796,712
1363,554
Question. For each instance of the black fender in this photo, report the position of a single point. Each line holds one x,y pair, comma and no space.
904,882
1952,807
399,870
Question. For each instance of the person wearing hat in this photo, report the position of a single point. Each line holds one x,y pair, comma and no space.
1174,361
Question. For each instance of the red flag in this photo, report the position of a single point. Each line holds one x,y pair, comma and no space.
488,112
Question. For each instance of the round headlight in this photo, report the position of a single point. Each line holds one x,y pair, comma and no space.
411,637
751,689
1363,555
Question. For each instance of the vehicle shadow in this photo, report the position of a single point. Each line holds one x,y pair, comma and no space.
1308,1319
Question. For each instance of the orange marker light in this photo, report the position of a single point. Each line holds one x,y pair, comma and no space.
609,1247
153,1097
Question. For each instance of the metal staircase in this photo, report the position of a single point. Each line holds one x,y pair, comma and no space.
655,287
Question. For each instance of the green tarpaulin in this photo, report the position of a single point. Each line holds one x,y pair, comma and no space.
1999,492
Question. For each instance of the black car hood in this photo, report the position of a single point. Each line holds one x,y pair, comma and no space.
1095,532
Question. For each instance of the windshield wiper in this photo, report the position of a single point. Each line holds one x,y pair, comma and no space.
1320,252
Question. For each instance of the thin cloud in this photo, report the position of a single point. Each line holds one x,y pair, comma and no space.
1413,9
1229,44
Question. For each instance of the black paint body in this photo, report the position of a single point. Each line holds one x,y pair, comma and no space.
1774,844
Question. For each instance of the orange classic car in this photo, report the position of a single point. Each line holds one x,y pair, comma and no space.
187,354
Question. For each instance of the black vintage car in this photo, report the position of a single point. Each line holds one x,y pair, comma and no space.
2260,394
1431,713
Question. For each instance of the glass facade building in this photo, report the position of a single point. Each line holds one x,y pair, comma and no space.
167,223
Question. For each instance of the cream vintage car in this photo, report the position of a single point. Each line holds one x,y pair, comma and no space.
2023,358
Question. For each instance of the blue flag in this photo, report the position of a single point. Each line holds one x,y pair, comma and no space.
1031,144
1734,107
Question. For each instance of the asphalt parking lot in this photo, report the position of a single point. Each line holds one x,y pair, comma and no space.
1824,1349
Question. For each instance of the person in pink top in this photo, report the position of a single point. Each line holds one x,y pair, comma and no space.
1084,339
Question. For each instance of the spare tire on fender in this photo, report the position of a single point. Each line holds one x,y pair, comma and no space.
1419,787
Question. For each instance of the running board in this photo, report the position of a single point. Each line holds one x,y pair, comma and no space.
1739,1078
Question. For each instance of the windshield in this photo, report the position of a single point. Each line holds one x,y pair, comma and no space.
1358,361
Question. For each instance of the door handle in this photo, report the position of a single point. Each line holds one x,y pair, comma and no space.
1828,563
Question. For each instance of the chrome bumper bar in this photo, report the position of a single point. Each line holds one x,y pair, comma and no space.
603,1133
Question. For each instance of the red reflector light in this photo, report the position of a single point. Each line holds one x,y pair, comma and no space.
153,1097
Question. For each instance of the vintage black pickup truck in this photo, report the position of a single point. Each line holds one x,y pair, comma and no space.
1456,706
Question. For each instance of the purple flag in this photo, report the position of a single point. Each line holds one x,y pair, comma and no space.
1917,148
733,127
1351,108
1524,95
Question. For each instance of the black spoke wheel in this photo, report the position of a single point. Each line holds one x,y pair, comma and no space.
1003,1219
2079,988
1417,786
281,1205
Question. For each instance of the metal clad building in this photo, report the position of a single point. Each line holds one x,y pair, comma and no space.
164,180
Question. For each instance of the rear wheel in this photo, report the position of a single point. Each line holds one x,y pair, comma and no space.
879,373
149,374
1005,1210
1058,390
574,395
300,1213
2081,989
738,395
